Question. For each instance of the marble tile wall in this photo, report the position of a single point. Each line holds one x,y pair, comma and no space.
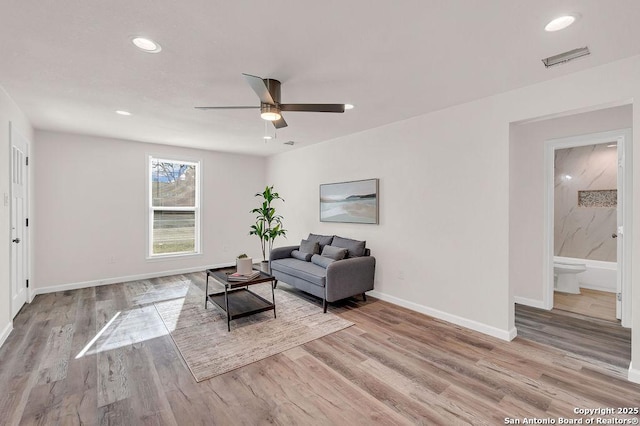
584,232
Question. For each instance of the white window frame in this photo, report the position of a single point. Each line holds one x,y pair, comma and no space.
152,209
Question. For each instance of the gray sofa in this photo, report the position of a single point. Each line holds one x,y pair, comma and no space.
326,266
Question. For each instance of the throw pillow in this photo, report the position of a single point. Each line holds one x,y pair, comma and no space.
354,248
321,260
301,255
334,253
323,240
311,247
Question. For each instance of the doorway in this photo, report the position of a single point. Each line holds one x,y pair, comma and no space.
620,141
19,208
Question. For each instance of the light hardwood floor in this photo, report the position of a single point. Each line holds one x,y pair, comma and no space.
591,303
393,367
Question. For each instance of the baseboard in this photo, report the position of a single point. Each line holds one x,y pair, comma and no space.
507,335
6,332
598,288
529,302
116,280
634,375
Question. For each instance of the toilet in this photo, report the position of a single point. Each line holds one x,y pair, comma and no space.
566,279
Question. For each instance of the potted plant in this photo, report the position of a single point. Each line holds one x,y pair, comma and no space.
244,264
268,224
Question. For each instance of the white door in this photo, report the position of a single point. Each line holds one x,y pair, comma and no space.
619,234
19,238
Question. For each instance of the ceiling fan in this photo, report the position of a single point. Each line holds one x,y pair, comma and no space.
268,90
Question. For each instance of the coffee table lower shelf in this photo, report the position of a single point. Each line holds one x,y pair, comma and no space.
242,303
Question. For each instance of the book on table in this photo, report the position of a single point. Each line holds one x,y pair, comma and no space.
236,276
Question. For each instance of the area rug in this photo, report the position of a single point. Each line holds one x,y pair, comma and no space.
209,350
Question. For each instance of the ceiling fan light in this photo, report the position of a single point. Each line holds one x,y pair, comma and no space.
270,116
270,112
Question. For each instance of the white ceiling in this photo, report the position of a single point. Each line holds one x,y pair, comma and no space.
70,64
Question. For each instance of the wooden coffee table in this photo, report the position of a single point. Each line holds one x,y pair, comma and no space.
236,299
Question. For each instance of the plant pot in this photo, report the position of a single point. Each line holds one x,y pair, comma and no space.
244,265
264,266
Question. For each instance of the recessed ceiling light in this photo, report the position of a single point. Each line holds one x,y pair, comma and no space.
560,23
267,137
348,106
146,45
123,112
568,177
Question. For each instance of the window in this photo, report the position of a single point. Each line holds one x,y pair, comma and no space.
174,207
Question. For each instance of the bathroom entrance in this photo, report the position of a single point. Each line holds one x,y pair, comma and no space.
586,215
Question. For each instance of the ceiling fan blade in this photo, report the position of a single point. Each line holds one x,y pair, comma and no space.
279,124
261,89
228,107
313,107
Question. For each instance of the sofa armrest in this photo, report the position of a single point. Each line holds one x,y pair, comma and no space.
349,277
282,252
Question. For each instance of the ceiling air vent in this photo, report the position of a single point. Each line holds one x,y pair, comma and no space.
565,57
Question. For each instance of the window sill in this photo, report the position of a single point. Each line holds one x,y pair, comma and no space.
172,256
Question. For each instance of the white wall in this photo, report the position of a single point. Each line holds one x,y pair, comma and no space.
527,191
90,205
445,207
10,115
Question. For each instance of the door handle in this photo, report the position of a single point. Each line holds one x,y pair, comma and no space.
17,240
614,235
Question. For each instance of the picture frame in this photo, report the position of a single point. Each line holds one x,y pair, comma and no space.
350,202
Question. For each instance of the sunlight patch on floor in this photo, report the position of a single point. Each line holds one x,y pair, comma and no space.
97,336
127,328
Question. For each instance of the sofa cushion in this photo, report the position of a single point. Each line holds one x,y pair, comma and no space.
323,240
311,247
335,253
354,248
321,260
300,255
299,268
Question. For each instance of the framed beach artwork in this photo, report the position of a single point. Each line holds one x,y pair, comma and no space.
349,202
